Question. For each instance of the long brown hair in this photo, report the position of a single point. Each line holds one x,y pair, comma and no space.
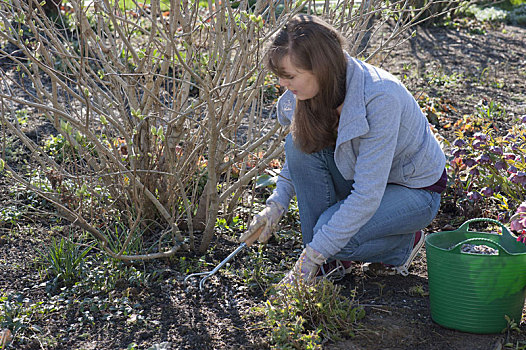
315,46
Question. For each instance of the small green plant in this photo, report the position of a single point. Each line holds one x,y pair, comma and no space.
301,316
18,312
519,345
487,14
189,265
54,145
64,261
22,116
106,274
418,290
257,270
123,241
10,214
10,312
512,325
235,225
381,287
444,79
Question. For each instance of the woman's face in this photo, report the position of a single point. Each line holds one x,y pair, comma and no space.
302,83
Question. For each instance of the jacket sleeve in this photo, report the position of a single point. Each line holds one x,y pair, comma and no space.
373,163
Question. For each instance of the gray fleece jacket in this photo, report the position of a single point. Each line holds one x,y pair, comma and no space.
383,137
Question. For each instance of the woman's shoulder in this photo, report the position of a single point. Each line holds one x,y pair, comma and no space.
373,77
376,82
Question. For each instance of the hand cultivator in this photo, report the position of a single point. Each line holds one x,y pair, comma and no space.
208,274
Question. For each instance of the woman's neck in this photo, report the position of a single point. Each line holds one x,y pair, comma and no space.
339,109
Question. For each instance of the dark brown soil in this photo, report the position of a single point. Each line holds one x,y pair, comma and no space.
163,313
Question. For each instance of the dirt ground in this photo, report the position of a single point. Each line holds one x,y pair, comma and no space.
479,66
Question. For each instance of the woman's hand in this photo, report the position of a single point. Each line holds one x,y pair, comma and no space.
264,223
305,269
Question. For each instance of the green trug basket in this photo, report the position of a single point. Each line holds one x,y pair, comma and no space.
474,292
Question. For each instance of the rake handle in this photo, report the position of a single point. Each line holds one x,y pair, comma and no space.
221,264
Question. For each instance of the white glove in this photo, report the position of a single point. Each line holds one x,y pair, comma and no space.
306,268
265,222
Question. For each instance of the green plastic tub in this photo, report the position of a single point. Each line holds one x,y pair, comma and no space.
474,292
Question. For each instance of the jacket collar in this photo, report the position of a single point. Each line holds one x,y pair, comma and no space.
353,122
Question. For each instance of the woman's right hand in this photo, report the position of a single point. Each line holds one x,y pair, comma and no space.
263,224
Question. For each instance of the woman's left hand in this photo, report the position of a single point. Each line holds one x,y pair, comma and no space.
306,267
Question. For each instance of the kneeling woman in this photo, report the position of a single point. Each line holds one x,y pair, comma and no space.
365,168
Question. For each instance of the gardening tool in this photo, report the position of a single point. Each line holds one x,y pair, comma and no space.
208,274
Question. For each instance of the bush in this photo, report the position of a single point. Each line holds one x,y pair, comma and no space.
162,114
517,15
487,14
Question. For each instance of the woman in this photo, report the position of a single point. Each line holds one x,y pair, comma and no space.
361,159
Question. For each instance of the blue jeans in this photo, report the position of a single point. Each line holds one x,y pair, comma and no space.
387,237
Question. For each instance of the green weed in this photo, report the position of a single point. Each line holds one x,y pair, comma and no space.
487,14
257,271
444,79
121,240
18,313
10,214
301,316
235,225
381,287
418,290
64,262
190,265
519,345
511,326
55,145
22,116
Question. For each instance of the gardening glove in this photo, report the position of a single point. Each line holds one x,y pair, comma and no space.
305,269
263,224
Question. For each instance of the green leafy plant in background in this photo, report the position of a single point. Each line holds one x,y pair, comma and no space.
10,312
301,316
236,224
146,4
10,214
121,240
517,15
487,14
63,261
486,166
18,313
512,11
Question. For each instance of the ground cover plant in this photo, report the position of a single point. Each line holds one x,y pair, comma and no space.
60,289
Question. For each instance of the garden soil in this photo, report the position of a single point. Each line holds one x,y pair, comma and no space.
456,68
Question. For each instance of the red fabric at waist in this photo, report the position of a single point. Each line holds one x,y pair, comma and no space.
438,186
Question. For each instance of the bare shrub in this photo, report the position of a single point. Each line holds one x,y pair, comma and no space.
162,109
